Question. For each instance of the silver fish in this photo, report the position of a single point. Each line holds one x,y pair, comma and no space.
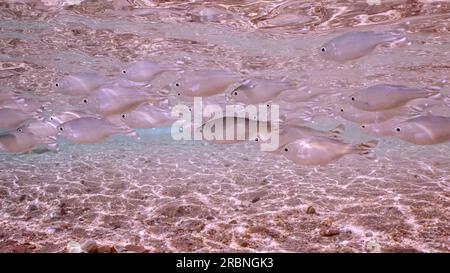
319,150
41,128
259,90
204,83
240,129
89,130
291,132
386,96
110,100
79,84
20,142
356,44
425,130
147,116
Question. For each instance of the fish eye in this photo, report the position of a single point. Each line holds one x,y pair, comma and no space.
56,84
123,116
353,98
61,129
19,130
178,94
268,105
363,126
51,118
256,139
323,49
286,149
124,72
342,110
235,93
398,129
85,100
177,85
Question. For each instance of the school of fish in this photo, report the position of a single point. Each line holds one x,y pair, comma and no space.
105,106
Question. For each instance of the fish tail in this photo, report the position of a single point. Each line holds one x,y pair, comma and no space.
154,94
292,85
393,38
40,118
133,134
434,92
50,140
336,132
163,92
414,111
156,97
38,113
366,149
53,146
17,98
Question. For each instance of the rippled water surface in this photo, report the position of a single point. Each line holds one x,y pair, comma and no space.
161,195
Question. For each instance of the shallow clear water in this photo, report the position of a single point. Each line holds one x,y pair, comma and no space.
166,195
